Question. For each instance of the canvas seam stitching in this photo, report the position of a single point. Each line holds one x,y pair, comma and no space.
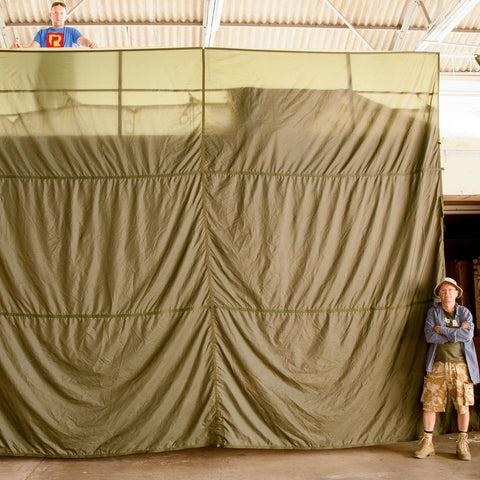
100,177
213,339
296,311
321,175
106,315
221,172
322,310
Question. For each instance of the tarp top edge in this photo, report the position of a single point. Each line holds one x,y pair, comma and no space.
250,50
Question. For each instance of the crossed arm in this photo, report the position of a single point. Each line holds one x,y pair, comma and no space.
436,333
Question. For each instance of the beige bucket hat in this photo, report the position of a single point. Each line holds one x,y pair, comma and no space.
450,281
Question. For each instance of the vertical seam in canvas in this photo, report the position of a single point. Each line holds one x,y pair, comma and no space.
119,93
207,260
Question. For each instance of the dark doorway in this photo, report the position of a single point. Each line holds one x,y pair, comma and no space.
462,248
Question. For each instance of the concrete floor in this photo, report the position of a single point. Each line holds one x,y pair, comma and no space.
392,462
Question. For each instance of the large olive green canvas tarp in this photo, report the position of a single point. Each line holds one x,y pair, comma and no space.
204,247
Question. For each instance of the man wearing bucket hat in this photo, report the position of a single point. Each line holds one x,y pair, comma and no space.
451,366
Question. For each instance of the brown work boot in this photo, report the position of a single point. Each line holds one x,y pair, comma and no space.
463,450
426,447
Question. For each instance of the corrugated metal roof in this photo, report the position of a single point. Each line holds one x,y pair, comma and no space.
257,24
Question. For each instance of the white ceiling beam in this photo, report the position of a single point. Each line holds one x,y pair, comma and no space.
454,44
407,21
439,29
348,24
212,13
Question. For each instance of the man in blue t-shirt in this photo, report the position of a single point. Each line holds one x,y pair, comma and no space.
58,35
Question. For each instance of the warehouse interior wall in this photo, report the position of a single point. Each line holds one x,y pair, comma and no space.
215,247
459,119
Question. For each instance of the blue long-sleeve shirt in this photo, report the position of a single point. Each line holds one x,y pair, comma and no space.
436,316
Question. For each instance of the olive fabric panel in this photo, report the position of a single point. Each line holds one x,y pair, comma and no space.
259,257
77,387
214,247
316,380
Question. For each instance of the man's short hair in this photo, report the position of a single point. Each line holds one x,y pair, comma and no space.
54,4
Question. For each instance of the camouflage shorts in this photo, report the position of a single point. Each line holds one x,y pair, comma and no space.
451,377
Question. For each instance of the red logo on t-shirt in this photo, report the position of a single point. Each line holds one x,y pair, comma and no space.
54,40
